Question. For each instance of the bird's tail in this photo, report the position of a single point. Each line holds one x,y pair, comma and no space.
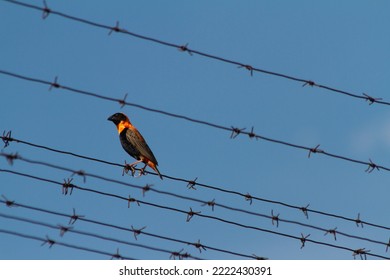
154,167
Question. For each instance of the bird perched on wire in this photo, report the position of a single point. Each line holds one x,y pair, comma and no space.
133,143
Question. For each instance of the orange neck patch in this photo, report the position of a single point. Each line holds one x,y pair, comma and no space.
122,125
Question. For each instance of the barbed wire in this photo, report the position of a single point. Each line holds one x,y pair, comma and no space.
51,242
67,185
129,200
46,11
190,183
136,232
65,229
235,131
191,213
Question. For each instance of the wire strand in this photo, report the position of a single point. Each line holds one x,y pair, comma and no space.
89,234
200,201
52,242
305,210
46,11
134,231
234,130
191,213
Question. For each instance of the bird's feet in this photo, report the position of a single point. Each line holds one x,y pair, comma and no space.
132,168
129,167
141,172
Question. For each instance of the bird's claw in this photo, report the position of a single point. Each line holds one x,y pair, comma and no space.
141,172
129,167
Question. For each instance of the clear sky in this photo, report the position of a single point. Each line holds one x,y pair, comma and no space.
341,44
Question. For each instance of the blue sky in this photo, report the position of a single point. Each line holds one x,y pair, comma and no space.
340,44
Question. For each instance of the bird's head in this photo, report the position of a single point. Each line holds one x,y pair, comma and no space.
118,117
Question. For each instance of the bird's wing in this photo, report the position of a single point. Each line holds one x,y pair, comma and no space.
139,143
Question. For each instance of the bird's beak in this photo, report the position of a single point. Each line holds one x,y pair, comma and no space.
111,118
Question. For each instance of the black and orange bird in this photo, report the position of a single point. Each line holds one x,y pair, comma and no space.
133,142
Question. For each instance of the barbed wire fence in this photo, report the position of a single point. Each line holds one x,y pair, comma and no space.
47,11
50,242
234,131
191,213
134,231
67,187
191,184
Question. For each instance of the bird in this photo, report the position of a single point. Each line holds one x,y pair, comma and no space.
134,143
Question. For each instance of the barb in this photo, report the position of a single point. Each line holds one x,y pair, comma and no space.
80,173
190,214
75,217
303,240
371,167
115,28
184,48
309,83
179,255
315,150
116,255
8,203
11,157
371,100
210,203
247,67
64,229
66,186
146,188
236,131
275,218
198,245
358,221
305,211
333,232
362,252
191,184
249,198
132,200
48,241
175,255
123,101
54,84
252,134
46,11
137,231
6,138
